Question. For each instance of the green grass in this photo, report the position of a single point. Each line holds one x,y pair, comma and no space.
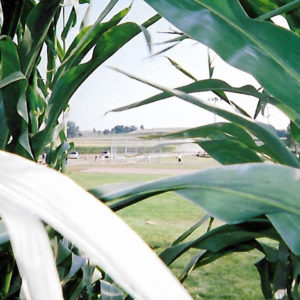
161,219
90,149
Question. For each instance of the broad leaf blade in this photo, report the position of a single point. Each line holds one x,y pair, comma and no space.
223,237
37,25
205,85
187,233
271,61
218,130
245,187
272,144
32,251
228,143
80,218
107,45
4,131
181,69
13,98
228,151
11,12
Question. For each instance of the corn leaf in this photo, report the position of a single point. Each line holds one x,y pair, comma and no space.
13,98
107,45
32,251
85,41
214,85
12,12
273,61
37,25
53,198
228,143
272,144
245,187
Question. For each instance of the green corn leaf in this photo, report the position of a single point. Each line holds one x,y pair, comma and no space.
147,38
76,264
70,23
219,130
272,144
259,7
63,252
273,62
245,187
280,282
208,257
37,26
4,131
187,233
28,244
264,9
180,38
11,12
85,19
280,10
181,69
80,218
36,105
228,151
13,98
191,265
295,131
11,78
41,84
211,67
51,41
107,45
86,40
263,267
287,226
214,85
230,235
222,238
228,143
260,106
111,4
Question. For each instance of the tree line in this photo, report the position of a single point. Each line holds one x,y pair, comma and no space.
74,131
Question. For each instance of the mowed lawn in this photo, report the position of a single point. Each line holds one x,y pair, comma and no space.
161,219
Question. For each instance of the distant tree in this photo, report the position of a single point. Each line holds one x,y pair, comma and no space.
123,129
142,127
72,129
118,129
133,128
281,132
126,129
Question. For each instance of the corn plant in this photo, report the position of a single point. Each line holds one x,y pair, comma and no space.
255,198
33,104
41,67
28,201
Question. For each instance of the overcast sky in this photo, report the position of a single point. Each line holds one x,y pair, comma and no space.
105,89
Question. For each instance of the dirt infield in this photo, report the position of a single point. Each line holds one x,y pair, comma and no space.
130,170
166,166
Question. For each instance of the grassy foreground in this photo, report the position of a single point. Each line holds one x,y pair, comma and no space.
161,219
